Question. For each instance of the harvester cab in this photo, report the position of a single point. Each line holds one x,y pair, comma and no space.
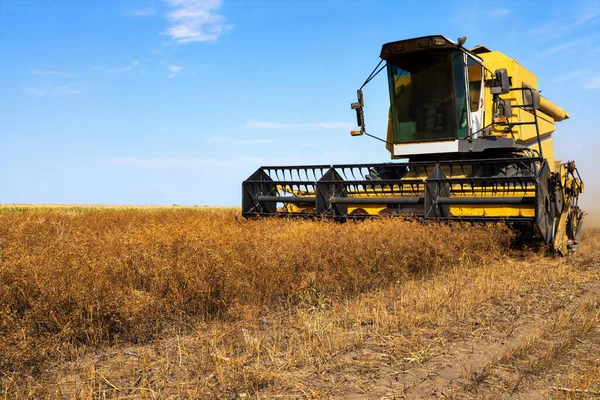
475,137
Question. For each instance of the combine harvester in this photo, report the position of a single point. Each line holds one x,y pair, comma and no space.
478,139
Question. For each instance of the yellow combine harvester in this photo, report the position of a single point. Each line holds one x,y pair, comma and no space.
478,139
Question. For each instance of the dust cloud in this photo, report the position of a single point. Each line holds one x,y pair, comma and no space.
592,220
589,202
585,153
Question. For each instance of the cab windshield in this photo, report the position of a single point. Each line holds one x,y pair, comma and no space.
428,96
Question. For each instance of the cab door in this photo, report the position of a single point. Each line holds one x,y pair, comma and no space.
475,95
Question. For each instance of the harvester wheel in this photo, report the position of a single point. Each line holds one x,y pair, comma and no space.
359,211
545,208
387,212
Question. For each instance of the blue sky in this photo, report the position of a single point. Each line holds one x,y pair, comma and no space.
178,101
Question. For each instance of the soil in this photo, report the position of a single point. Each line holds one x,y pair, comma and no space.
473,367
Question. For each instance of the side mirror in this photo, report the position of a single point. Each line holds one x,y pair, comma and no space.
501,83
360,116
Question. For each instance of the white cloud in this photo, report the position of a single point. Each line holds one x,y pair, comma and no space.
579,73
309,144
160,50
126,68
237,142
175,69
584,78
560,47
52,73
291,126
185,162
566,24
587,17
499,13
244,164
37,92
593,83
53,91
196,21
142,12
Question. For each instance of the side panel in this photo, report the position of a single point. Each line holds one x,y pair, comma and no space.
524,134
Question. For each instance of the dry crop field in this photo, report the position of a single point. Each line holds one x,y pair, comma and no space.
173,302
